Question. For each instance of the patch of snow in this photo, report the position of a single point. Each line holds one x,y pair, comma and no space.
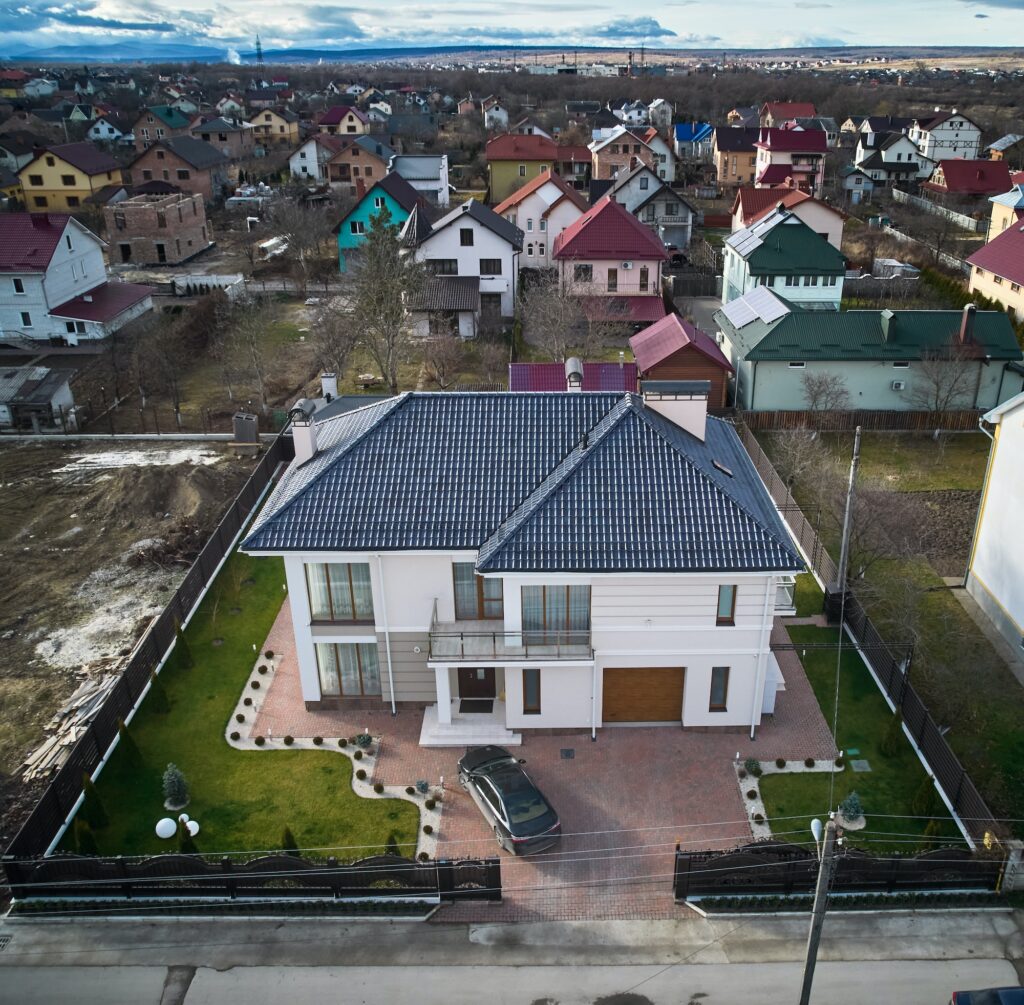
105,460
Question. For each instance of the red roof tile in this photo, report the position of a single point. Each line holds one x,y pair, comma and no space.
789,109
972,177
655,344
795,141
633,309
776,174
608,231
1003,255
335,114
573,152
104,303
513,147
535,183
753,203
1017,178
551,377
28,240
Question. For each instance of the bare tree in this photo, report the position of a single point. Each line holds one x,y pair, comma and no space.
305,228
553,319
943,380
493,356
163,353
249,322
333,335
824,392
444,357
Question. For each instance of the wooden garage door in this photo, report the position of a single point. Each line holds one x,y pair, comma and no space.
645,694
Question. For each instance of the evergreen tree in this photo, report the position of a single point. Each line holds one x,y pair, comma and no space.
181,647
892,742
288,843
923,803
92,811
391,848
157,697
127,745
186,843
175,787
85,840
931,832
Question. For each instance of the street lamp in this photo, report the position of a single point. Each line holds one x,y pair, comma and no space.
826,857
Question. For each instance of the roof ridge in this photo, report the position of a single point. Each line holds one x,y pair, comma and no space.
557,476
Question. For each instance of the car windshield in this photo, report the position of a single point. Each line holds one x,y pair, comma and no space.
522,800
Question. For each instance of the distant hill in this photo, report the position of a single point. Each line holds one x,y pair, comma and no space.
120,52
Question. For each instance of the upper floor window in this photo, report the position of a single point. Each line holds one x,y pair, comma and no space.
583,273
476,598
339,592
466,237
726,614
67,241
490,266
555,612
19,285
644,279
443,266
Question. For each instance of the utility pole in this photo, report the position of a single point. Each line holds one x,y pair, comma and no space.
827,860
844,551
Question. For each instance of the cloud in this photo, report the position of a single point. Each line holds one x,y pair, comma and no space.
1006,4
814,6
637,27
981,17
703,40
333,21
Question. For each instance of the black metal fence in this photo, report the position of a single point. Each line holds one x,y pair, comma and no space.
172,878
890,672
59,798
781,869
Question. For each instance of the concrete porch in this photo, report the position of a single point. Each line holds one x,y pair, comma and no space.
466,729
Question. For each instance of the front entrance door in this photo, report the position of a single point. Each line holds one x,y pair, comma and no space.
476,682
490,311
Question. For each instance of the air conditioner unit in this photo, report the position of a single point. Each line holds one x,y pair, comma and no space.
627,265
899,385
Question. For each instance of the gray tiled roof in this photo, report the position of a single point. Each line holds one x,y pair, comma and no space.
449,293
509,474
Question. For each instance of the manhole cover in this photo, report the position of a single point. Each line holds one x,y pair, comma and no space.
4,940
860,765
568,753
852,751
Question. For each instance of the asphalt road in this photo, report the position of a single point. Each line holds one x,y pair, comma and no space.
895,983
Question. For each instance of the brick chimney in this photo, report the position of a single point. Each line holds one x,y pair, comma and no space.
967,324
683,402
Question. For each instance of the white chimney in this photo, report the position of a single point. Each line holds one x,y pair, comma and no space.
303,430
329,385
683,402
573,374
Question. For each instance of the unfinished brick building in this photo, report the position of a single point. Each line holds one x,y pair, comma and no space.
157,229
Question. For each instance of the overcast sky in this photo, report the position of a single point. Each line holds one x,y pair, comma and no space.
677,23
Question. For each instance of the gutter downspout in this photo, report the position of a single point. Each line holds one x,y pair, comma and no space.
387,633
762,659
593,704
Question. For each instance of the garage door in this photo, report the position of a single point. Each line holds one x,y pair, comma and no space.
645,694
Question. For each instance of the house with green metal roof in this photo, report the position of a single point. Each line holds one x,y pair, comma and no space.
886,359
781,252
159,122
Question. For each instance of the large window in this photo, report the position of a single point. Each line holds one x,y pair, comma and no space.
553,612
719,689
476,598
583,273
348,669
490,266
726,606
340,592
531,691
443,266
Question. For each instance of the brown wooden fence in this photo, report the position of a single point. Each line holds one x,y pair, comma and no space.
881,420
890,672
770,868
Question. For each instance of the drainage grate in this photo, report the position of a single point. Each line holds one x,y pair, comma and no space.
860,765
4,940
568,753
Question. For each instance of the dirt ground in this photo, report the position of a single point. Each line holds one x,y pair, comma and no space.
94,539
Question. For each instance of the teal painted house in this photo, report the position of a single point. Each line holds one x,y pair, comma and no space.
393,193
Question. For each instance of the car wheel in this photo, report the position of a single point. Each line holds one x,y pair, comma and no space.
500,839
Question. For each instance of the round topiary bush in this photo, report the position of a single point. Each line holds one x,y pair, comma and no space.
423,856
255,685
427,829
289,740
742,772
409,790
758,818
780,762
358,755
236,735
809,762
262,668
430,804
751,793
378,787
318,741
343,742
840,763
361,774
260,740
247,701
753,766
239,717
269,654
363,740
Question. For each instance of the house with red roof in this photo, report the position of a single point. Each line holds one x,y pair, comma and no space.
791,157
542,209
774,113
969,178
55,282
612,260
342,120
997,269
753,204
674,349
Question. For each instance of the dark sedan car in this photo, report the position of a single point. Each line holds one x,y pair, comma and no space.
990,996
522,818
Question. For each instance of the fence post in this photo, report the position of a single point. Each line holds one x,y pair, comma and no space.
443,877
230,886
493,880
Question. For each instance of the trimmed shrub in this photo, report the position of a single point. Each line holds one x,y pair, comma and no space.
361,775
423,856
410,791
255,685
892,741
236,735
427,829
92,811
127,745
288,843
157,699
343,742
422,786
289,740
931,831
181,648
85,840
262,668
378,787
260,740
358,755
239,717
247,702
851,807
809,762
430,804
758,818
780,762
741,773
751,793
840,763
175,786
318,741
753,766
269,654
923,803
391,847
363,740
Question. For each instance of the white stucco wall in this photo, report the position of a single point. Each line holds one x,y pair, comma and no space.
564,698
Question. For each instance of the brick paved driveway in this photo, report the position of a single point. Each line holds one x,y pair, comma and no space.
624,800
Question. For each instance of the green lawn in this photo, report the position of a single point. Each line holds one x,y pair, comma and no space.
810,599
889,787
242,799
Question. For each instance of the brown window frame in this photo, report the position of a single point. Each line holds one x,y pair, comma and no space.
533,709
481,610
333,620
724,706
731,619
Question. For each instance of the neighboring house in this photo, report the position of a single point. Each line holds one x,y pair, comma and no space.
945,135
495,114
997,268
1009,148
447,305
527,127
12,83
232,137
874,125
340,120
781,252
426,173
793,157
358,163
694,140
310,161
514,160
969,178
655,204
774,113
392,193
109,128
890,159
572,375
575,560
191,165
659,114
40,87
472,240
753,204
994,577
664,155
159,122
819,123
230,105
157,229
1007,208
614,262
36,397
542,209
10,189
631,113
53,282
735,156
63,177
18,148
675,350
879,355
747,117
620,152
276,127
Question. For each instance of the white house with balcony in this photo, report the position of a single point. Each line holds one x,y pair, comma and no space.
655,204
54,285
512,561
946,136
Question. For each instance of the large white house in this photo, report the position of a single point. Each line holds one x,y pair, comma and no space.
513,561
997,554
946,136
542,209
53,282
